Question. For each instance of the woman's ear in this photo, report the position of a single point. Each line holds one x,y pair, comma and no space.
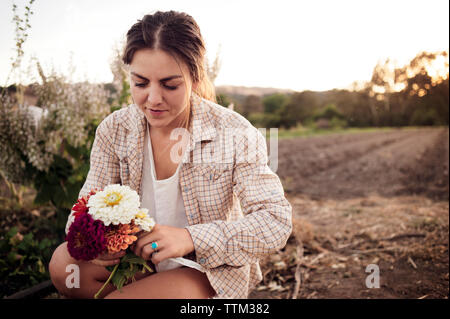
195,86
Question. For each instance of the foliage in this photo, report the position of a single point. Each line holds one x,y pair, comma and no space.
301,107
223,99
414,94
329,112
47,145
251,104
23,260
264,120
424,116
51,152
213,68
337,122
120,87
21,31
125,270
274,103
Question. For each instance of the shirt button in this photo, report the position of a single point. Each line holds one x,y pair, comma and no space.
202,260
186,189
220,291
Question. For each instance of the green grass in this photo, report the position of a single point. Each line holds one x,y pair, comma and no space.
302,131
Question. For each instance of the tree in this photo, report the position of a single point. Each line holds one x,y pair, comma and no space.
399,94
223,99
426,89
274,103
302,105
385,78
252,104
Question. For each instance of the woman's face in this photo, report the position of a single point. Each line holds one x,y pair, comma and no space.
160,87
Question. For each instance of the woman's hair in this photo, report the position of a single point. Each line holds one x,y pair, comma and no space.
177,34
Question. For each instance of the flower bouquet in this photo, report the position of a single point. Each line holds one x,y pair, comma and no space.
107,221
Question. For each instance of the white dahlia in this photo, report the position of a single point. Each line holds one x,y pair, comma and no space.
144,220
116,204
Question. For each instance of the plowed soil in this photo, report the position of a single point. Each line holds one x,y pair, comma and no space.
377,198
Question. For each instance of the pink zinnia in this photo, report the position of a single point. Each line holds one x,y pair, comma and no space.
86,238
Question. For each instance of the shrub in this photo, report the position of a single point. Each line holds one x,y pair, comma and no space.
264,120
23,260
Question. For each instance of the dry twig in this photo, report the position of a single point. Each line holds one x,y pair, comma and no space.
401,236
375,250
298,278
412,262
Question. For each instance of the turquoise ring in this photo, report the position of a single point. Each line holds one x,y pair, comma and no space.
154,245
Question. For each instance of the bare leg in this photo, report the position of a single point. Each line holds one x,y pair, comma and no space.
179,283
92,277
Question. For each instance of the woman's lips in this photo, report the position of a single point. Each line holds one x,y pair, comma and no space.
156,112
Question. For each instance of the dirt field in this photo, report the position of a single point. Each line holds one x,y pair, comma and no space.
369,198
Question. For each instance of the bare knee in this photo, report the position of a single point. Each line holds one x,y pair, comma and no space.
58,267
75,279
180,283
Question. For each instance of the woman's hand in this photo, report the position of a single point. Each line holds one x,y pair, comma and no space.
172,242
108,259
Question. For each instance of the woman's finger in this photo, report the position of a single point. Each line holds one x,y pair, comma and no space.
141,234
105,263
109,256
148,250
141,243
161,255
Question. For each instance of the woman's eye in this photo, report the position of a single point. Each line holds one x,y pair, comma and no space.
141,85
169,87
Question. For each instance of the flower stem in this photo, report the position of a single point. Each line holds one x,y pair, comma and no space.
109,279
147,267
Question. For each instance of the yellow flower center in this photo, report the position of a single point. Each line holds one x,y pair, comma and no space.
140,215
113,198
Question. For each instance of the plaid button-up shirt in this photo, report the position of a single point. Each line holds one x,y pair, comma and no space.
234,203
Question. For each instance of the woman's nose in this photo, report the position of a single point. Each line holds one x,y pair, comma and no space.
154,95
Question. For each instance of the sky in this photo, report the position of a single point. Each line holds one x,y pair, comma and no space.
299,45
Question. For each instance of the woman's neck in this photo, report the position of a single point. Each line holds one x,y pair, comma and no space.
165,132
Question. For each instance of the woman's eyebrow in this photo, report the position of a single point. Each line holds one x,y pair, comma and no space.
139,76
170,78
162,80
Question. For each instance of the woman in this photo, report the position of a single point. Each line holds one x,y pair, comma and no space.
217,205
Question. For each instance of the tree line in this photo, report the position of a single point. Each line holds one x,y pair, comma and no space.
416,94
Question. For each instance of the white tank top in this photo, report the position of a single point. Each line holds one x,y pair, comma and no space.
164,201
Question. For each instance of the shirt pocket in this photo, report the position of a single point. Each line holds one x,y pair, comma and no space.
124,172
214,191
212,173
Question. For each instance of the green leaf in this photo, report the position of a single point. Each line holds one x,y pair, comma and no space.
133,259
109,268
44,244
43,197
12,232
129,273
40,266
118,280
3,263
11,257
73,151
